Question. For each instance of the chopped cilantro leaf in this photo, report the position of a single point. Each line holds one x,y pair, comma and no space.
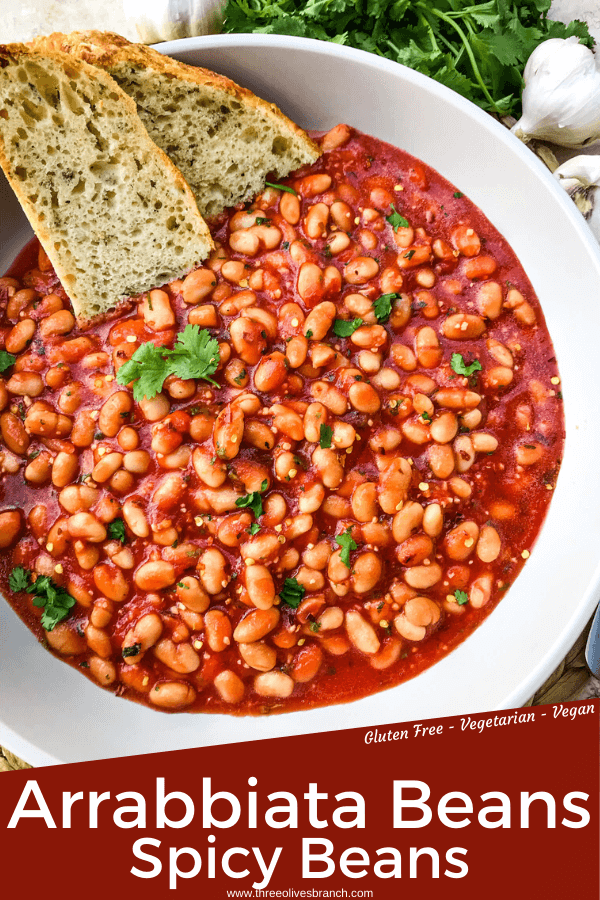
396,220
347,544
409,254
253,500
6,360
195,354
262,221
18,580
292,592
383,306
132,650
344,327
426,417
148,368
50,597
458,365
253,529
116,530
315,627
282,187
325,435
461,597
457,194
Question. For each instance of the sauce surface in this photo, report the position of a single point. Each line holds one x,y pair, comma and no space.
351,499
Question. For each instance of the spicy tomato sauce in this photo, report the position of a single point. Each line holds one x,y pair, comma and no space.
348,503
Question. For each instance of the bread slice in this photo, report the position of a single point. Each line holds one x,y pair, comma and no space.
111,210
223,138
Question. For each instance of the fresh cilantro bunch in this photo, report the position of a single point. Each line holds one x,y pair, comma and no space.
194,355
53,599
477,49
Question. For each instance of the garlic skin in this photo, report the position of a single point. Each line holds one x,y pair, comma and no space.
169,20
561,97
579,177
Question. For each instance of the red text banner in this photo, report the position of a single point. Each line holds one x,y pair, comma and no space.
504,803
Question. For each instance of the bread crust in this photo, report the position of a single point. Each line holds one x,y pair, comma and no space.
108,50
16,53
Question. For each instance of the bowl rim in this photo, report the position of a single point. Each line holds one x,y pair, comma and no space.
580,615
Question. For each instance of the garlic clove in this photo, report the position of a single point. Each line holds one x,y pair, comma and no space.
579,177
561,98
584,169
169,20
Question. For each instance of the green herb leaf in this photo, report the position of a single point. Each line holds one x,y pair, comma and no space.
315,627
396,220
383,306
260,220
461,597
478,49
116,530
253,500
458,365
132,650
148,368
325,435
18,580
194,355
292,592
253,529
347,544
282,187
6,360
53,599
457,194
344,327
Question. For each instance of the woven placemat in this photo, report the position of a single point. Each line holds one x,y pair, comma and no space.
568,682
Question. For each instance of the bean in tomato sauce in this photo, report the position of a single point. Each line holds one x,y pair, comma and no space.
346,502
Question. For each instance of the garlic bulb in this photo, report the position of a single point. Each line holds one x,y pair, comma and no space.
579,177
561,98
168,20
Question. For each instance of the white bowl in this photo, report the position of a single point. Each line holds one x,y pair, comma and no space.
49,713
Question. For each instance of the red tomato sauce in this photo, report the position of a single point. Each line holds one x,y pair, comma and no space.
435,255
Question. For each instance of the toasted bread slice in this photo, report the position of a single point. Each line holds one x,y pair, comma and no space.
111,210
224,139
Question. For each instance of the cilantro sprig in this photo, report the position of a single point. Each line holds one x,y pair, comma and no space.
52,598
478,49
195,354
253,500
346,542
461,597
396,220
346,327
458,365
292,593
383,306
